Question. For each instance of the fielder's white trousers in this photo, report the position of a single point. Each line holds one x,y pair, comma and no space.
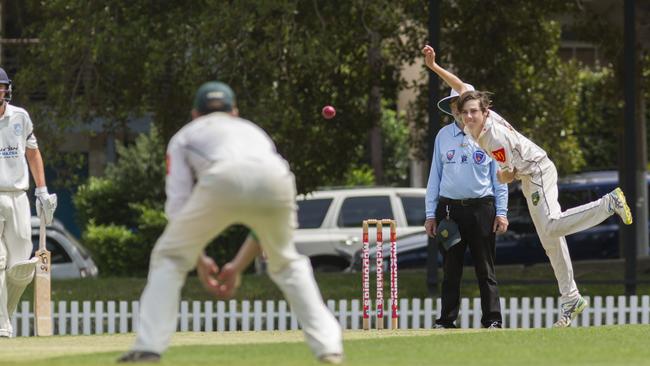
15,245
262,197
553,225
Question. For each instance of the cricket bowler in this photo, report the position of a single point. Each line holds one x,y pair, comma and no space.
519,158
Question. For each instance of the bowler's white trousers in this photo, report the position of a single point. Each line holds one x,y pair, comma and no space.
553,225
262,197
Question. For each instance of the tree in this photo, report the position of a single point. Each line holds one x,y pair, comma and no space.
286,59
602,25
112,62
511,49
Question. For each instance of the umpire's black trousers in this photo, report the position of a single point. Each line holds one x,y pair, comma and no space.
475,219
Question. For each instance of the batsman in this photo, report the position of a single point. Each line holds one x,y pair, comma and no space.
18,153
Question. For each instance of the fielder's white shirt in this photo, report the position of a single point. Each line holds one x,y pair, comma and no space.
16,134
509,148
208,140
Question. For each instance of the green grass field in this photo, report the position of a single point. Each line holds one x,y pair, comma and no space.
611,345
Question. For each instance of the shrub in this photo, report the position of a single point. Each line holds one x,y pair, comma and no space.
122,212
117,251
150,222
138,177
99,200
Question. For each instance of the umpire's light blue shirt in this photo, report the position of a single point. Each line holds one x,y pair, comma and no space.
460,169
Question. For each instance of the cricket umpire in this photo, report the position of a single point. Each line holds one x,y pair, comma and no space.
224,170
464,197
19,154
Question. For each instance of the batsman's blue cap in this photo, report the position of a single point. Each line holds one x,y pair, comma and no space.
447,233
4,79
214,96
444,103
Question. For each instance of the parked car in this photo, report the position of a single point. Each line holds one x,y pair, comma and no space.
69,258
520,244
330,222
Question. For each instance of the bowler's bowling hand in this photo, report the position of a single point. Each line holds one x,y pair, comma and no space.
429,56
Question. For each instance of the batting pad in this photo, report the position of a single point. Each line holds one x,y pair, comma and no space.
18,277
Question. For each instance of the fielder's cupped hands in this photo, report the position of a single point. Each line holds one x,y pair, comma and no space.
429,56
222,283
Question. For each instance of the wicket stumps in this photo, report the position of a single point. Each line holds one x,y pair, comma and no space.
365,260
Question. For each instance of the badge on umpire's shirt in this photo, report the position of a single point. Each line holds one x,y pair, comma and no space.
450,154
479,156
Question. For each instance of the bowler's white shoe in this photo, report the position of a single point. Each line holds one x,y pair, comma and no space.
570,311
619,205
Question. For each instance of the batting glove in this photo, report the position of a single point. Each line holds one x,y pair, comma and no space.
45,204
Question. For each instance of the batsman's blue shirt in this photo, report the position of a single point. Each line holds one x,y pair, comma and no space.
460,169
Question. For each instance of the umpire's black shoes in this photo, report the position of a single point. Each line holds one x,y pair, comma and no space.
139,356
444,326
495,325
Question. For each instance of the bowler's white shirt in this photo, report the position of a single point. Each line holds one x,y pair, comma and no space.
508,147
16,135
208,140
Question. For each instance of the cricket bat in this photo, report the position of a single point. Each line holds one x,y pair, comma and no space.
42,301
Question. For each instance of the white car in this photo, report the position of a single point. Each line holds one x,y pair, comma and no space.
330,222
69,258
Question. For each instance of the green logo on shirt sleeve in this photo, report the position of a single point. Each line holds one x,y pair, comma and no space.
535,198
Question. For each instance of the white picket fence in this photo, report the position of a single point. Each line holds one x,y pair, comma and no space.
122,317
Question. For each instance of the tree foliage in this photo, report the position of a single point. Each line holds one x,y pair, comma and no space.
600,107
511,49
288,58
136,179
285,59
121,213
598,25
118,60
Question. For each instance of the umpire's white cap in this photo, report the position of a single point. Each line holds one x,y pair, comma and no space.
443,104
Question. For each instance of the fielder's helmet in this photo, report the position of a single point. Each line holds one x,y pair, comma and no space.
4,79
214,96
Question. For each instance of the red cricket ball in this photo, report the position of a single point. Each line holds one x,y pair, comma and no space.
328,112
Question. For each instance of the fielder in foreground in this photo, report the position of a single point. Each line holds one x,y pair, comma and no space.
18,153
224,170
520,158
